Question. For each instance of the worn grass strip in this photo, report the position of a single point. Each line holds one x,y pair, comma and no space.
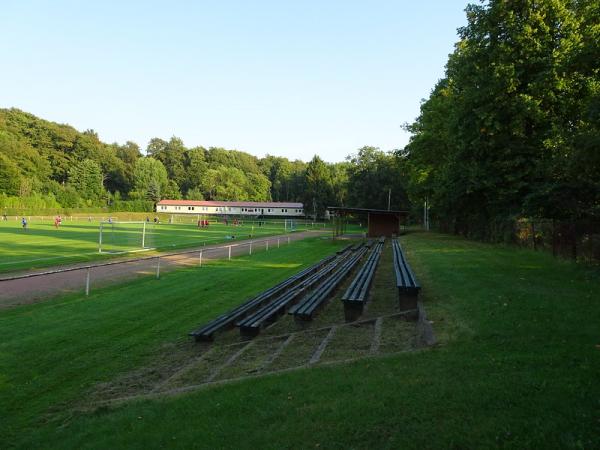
376,336
278,352
322,346
229,361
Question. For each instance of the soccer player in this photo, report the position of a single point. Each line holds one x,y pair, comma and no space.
24,223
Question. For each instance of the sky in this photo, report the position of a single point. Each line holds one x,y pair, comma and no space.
286,78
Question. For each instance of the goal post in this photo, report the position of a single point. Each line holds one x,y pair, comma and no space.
290,225
123,237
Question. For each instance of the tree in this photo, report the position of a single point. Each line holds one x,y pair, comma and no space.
258,187
86,177
172,155
319,191
150,179
229,184
10,178
196,167
194,194
510,128
128,153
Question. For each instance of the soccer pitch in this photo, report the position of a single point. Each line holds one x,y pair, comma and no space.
43,245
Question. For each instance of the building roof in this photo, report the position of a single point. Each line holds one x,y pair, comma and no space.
237,204
343,209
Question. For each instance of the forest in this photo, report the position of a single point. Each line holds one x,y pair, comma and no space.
45,165
513,129
510,133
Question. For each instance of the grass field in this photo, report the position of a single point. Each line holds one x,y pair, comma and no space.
517,366
43,245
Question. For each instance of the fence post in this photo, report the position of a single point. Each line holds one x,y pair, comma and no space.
288,240
277,242
267,249
200,258
157,267
250,248
87,282
229,256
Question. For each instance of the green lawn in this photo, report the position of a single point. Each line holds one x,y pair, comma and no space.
518,364
52,352
43,245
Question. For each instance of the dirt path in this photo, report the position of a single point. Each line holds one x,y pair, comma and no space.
41,285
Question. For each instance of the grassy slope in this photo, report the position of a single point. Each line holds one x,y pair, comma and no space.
52,352
43,245
518,367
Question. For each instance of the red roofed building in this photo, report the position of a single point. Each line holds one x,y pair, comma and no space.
269,209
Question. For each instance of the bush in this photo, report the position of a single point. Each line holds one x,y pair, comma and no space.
132,206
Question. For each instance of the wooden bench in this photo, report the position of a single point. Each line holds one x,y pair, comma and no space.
347,248
357,247
307,307
251,325
355,297
268,313
406,282
227,320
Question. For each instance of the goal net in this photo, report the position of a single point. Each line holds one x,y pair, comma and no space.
122,237
290,225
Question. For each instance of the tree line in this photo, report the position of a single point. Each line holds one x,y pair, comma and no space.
513,129
55,166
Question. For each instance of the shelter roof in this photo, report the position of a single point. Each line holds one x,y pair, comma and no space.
345,210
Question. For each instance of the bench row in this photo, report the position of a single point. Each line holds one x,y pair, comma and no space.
406,282
356,295
207,331
307,307
268,313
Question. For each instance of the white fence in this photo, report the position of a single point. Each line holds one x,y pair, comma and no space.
39,285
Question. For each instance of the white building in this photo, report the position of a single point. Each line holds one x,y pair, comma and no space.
265,209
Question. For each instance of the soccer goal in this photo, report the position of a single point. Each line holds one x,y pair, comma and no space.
290,225
124,237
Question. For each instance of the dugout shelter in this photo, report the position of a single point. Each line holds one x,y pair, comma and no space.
380,222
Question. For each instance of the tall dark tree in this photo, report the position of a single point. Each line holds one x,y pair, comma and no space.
509,129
